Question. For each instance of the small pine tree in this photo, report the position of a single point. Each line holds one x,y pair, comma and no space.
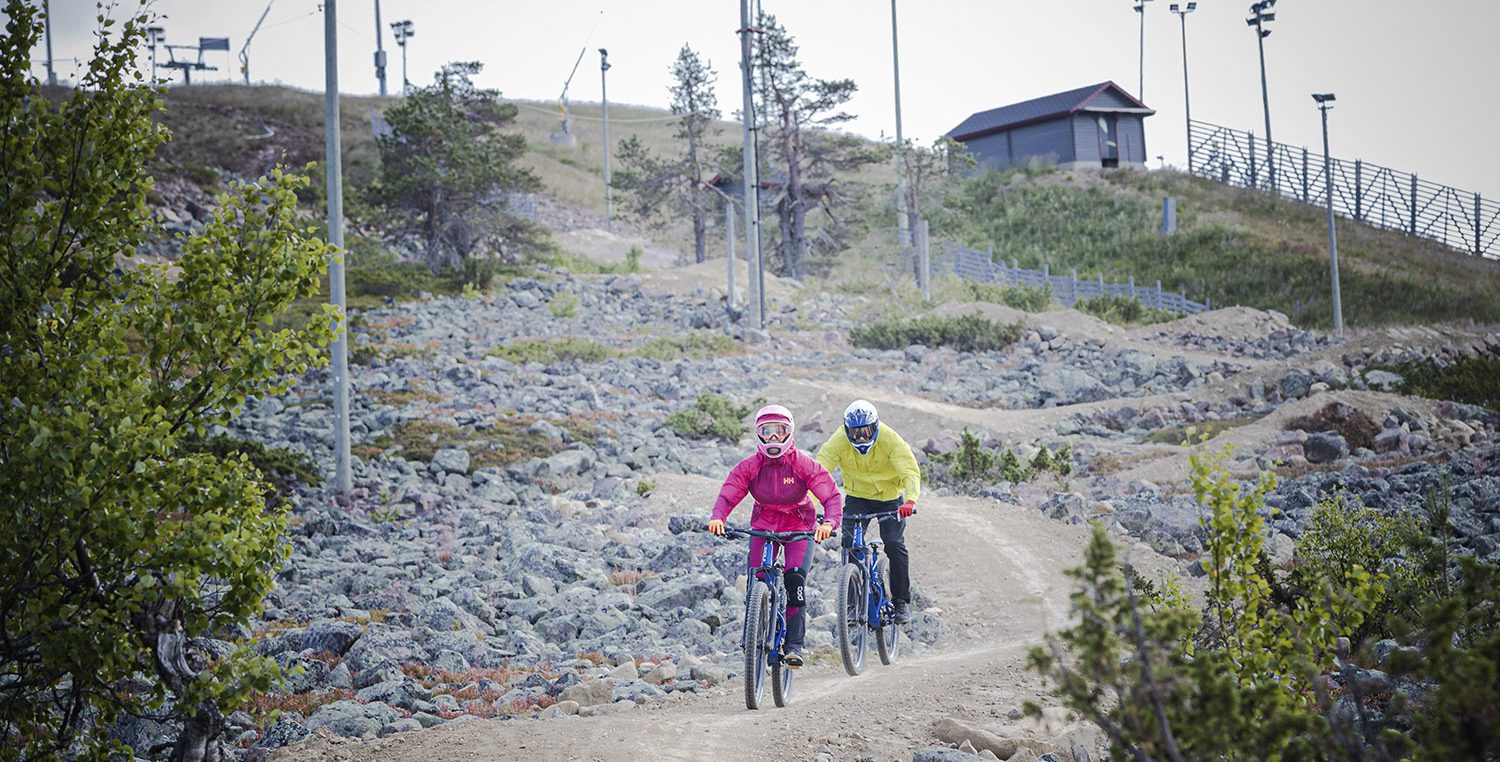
972,463
1011,469
1042,461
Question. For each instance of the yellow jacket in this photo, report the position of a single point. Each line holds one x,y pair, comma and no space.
887,472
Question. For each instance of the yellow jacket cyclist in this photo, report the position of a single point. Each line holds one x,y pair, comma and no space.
880,475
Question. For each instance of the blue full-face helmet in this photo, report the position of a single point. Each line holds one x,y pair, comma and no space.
861,425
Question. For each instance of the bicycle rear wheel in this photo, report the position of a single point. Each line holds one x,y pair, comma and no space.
757,633
887,632
852,606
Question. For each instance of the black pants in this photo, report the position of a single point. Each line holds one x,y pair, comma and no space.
857,510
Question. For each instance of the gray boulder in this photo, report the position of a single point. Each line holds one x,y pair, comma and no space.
683,591
405,694
451,460
288,729
331,636
941,754
443,615
1384,380
1296,384
1325,447
351,718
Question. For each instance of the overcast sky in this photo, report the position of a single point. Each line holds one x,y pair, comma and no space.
1414,80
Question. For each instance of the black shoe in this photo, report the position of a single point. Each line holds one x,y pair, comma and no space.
902,616
792,660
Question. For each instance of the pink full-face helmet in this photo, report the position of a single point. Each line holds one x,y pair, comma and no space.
773,431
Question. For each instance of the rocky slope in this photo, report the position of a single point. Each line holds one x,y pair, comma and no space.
522,540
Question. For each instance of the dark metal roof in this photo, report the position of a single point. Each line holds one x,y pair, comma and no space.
1040,109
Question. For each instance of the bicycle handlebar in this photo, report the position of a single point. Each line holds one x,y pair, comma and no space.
891,514
737,532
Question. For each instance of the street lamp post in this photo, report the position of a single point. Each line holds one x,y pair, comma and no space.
903,236
379,50
332,142
1140,90
1262,15
604,95
1324,104
1187,98
51,73
403,30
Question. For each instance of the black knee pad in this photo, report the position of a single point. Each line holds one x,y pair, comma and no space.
796,587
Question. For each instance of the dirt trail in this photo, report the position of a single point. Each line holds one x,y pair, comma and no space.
994,570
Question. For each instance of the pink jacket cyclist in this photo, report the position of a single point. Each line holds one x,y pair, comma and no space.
778,477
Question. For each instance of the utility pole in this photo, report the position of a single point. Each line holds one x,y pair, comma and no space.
609,222
1263,16
335,181
902,224
1324,99
1140,91
51,73
752,181
1187,98
379,50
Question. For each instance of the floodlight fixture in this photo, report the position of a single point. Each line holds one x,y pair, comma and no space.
1260,15
403,30
1323,97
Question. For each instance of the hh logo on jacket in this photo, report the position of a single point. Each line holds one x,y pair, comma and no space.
788,480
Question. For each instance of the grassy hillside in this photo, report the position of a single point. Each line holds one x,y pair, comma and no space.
1234,246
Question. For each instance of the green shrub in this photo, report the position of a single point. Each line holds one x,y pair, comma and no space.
1025,298
697,345
397,280
1123,310
1343,535
1042,461
972,465
570,349
1011,469
644,487
633,259
971,462
968,333
564,305
712,415
1473,380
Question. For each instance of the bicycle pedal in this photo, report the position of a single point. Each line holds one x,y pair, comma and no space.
792,661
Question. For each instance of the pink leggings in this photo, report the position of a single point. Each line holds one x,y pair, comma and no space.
794,553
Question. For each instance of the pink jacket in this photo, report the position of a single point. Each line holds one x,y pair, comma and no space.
779,487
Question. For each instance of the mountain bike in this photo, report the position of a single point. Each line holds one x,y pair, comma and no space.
864,607
765,619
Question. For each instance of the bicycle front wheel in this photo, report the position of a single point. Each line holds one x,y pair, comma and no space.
757,633
852,607
887,631
781,683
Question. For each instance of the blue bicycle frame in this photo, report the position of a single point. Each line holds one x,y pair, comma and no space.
881,609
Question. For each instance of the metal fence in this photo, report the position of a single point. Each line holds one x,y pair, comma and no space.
979,265
1362,191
